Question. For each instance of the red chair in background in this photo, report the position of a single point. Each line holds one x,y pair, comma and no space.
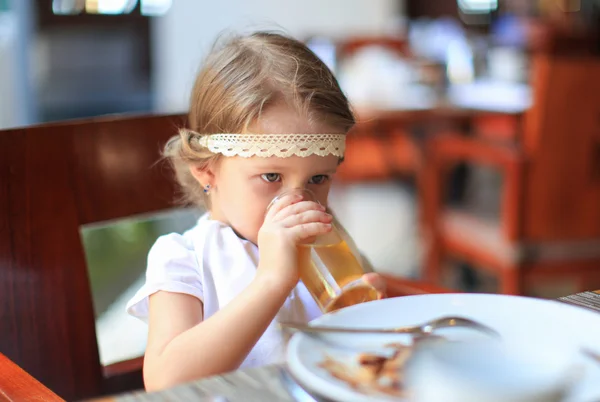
549,225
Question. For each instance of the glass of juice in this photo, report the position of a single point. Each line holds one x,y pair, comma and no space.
329,268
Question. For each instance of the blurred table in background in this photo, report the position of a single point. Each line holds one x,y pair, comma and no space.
388,141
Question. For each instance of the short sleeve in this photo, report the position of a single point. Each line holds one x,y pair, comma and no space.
172,267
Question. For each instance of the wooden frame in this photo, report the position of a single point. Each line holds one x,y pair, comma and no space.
54,179
18,386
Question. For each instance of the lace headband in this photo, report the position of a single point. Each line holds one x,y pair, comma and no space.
280,145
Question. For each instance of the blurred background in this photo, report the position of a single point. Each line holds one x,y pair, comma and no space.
469,111
76,58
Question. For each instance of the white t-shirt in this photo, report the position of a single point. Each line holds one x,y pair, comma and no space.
212,263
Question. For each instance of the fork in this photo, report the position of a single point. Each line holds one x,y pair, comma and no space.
422,329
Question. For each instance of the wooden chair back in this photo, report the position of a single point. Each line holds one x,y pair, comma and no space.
16,385
561,143
53,179
549,224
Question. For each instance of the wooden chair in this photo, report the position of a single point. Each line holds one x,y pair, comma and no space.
549,228
18,386
387,144
54,179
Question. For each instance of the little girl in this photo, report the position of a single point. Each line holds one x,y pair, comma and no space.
266,116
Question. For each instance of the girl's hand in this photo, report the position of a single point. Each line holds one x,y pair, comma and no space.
377,282
287,223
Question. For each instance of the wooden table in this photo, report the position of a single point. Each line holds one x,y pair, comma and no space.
389,142
270,383
262,384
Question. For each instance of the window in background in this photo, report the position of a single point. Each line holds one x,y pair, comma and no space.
155,7
478,6
111,7
477,12
116,255
90,64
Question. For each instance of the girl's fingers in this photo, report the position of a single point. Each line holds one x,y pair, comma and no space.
306,217
282,203
377,282
307,230
297,208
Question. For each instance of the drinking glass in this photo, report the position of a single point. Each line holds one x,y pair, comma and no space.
329,268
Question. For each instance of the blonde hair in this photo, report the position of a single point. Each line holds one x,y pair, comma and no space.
239,80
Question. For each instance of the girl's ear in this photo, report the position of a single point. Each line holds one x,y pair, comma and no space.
204,175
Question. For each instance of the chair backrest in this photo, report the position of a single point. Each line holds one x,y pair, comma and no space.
561,140
17,385
351,45
53,179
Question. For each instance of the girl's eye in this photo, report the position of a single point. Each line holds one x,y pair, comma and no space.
319,179
271,177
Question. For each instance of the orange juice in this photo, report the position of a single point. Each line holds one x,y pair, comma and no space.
332,274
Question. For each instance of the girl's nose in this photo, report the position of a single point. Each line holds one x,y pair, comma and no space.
295,186
306,193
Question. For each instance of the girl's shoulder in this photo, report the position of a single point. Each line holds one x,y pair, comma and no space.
204,229
208,256
205,234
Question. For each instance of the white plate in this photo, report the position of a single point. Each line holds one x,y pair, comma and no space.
520,321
